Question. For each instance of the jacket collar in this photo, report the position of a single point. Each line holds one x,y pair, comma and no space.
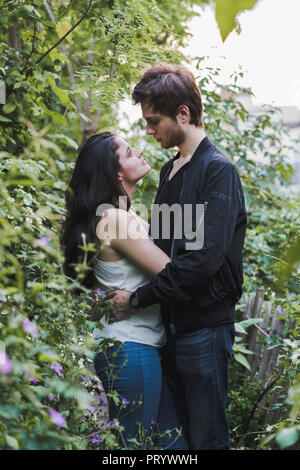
204,145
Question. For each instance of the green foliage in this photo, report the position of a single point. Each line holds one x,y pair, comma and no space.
50,93
227,11
243,393
57,94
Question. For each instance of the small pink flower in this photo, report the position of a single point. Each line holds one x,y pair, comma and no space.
42,241
114,423
6,364
58,368
95,439
29,327
99,293
33,380
100,386
57,418
125,401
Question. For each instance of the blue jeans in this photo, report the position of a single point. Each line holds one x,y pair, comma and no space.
147,407
200,384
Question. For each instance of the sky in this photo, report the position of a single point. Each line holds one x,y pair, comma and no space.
268,49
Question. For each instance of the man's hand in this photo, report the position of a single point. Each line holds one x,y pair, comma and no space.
120,309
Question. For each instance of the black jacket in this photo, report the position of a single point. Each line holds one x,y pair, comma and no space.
199,288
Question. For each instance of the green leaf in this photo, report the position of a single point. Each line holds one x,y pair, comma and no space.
62,95
62,28
65,139
31,9
12,442
242,360
9,412
9,108
56,116
226,12
239,328
50,356
85,118
250,321
5,119
287,437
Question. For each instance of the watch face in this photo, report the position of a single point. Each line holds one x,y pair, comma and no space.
134,300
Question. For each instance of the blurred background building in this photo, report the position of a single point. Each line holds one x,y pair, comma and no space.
289,116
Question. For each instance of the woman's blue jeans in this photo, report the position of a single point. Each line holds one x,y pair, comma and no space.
146,408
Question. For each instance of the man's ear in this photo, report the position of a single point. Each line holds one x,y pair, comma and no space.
183,113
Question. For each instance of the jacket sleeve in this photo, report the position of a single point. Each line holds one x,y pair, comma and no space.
192,269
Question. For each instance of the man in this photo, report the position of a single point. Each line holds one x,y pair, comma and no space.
199,288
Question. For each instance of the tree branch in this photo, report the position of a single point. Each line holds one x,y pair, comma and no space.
61,39
32,46
69,66
88,128
264,392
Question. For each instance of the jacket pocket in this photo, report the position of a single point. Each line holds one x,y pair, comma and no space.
223,286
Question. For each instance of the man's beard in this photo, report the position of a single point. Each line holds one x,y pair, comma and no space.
174,139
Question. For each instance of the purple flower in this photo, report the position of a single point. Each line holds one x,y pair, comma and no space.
95,439
29,327
102,402
57,418
42,241
114,423
91,408
100,386
33,379
99,292
58,368
51,398
6,364
125,401
85,379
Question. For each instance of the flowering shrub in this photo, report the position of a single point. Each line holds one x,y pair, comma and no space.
50,397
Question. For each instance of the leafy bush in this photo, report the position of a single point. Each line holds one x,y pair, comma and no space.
50,398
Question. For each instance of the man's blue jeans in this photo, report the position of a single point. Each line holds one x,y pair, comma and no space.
200,385
147,408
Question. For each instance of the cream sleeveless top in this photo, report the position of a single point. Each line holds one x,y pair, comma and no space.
145,326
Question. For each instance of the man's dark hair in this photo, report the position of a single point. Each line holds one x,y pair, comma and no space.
166,87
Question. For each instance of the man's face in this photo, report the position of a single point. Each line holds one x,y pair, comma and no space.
165,130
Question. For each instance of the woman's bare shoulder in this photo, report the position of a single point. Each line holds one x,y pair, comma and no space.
113,222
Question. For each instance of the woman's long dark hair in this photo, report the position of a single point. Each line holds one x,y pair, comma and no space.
94,181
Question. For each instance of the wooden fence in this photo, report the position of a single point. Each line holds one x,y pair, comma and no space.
263,362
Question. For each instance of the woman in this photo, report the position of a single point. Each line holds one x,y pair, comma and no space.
106,173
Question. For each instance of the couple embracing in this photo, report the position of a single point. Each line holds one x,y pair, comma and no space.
173,298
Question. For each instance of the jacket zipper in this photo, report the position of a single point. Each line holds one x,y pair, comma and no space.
172,322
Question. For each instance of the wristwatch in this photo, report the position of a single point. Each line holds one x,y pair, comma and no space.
134,300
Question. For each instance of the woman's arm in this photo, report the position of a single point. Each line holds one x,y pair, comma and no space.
125,235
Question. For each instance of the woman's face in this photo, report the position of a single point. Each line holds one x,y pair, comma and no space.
133,166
